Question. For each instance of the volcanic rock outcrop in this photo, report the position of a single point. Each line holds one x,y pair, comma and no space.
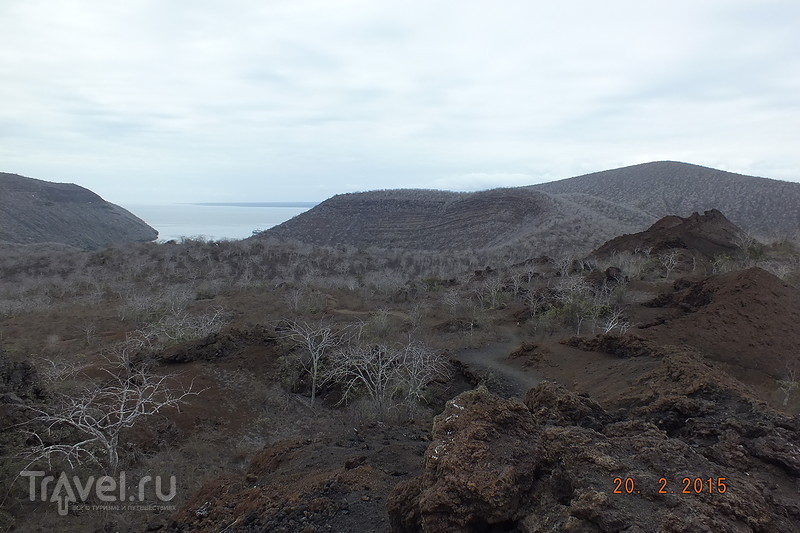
708,234
693,453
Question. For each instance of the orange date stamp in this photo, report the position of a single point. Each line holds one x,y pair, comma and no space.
686,485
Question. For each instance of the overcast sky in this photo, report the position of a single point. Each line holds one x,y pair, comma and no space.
281,100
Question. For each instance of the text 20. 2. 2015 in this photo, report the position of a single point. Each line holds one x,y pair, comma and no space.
687,485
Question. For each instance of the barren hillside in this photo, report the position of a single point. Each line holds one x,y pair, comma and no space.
436,220
580,212
661,188
36,211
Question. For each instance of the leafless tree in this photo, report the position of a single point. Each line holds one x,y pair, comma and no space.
417,314
89,330
752,251
632,264
669,260
533,299
781,270
295,298
722,263
516,280
564,265
790,384
615,320
181,326
489,291
387,372
421,366
372,368
99,414
379,323
452,299
317,340
571,287
57,372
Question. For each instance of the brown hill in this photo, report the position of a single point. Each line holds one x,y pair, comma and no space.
747,319
760,205
708,234
36,211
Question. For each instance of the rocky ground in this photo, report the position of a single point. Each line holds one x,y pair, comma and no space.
676,423
686,453
676,443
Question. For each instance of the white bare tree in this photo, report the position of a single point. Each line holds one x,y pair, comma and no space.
751,250
420,366
564,265
387,372
516,280
615,320
790,384
535,300
452,299
669,260
181,326
99,414
317,340
295,298
372,368
489,291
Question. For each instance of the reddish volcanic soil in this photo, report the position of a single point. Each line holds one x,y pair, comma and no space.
748,319
708,234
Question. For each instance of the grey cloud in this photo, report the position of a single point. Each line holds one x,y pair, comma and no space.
310,97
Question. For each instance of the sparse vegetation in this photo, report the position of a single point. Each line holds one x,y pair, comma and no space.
321,355
790,384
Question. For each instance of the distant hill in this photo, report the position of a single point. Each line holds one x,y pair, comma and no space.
759,205
440,220
36,211
576,213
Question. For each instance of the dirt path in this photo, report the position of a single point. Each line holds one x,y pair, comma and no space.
491,362
502,375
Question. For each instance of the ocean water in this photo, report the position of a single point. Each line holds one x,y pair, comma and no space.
216,222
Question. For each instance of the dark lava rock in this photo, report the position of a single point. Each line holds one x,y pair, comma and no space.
708,234
721,463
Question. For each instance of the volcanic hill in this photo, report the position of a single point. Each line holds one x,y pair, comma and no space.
36,211
442,220
661,188
581,212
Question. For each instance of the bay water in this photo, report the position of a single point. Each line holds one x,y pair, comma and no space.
215,221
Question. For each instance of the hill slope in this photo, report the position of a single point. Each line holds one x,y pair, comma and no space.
437,220
36,211
747,319
581,212
760,205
